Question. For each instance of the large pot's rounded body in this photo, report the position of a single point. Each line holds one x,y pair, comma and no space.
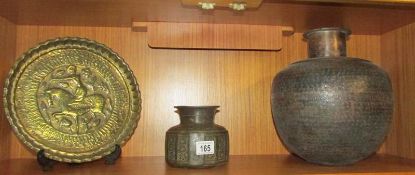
331,109
197,142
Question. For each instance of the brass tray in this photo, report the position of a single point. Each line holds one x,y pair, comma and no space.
73,98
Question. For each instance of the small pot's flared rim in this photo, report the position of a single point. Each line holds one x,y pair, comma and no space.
344,30
196,107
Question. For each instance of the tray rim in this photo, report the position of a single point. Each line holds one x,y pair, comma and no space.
30,142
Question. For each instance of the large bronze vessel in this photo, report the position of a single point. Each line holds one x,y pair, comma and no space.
197,142
331,109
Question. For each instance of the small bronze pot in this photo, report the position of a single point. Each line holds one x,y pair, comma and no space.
197,142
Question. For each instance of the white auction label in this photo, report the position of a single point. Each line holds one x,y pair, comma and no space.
205,147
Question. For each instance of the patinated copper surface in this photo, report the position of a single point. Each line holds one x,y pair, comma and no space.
331,109
196,125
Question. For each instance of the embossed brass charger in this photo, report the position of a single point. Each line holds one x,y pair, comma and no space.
73,98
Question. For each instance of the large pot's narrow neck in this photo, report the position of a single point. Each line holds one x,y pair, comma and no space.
191,115
327,42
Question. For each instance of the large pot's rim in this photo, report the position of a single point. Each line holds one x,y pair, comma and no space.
344,30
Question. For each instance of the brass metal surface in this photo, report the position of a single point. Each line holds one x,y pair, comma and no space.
72,97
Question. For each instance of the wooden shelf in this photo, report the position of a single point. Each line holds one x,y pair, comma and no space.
381,2
238,80
240,165
207,36
361,19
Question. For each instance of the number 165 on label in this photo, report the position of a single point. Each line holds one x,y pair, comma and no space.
205,147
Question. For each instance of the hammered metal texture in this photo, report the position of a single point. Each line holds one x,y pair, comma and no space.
196,125
73,98
332,110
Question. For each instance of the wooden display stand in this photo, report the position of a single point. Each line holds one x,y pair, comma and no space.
47,164
213,36
216,73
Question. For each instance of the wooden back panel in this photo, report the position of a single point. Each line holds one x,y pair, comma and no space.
398,58
7,54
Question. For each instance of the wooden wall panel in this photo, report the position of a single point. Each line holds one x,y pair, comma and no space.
238,81
398,58
7,54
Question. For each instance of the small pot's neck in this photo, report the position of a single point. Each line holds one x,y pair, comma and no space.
194,115
327,42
